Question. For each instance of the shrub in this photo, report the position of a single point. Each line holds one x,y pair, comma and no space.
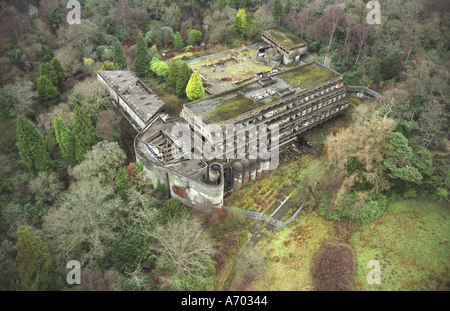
162,189
334,267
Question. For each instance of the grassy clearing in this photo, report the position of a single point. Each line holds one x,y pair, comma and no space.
289,253
411,242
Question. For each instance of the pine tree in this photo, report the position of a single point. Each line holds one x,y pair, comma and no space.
277,11
47,70
65,139
120,59
60,74
178,40
48,94
84,133
32,148
33,262
183,75
142,58
194,88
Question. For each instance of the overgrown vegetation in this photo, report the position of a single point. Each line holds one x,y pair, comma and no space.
69,191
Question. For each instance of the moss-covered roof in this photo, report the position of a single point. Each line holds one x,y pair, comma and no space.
284,37
219,108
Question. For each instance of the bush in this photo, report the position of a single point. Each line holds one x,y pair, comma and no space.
162,189
171,209
334,267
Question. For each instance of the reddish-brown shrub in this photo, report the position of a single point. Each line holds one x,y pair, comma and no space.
334,267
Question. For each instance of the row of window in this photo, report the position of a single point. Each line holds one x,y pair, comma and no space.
312,121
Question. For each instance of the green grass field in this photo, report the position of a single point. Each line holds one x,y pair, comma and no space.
411,242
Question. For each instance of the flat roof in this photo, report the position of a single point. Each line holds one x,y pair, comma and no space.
137,95
218,108
285,37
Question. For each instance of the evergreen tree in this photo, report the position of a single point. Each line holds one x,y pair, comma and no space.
277,11
241,22
182,75
142,58
120,59
48,94
84,133
32,148
47,70
65,140
194,88
178,40
122,182
59,73
33,262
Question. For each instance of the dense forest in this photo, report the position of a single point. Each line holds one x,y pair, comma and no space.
70,186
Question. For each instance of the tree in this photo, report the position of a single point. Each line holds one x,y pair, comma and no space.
334,267
194,37
33,261
48,94
15,99
46,187
47,70
179,75
119,58
277,11
31,144
178,41
84,224
194,88
158,67
130,249
142,58
241,22
59,73
171,209
101,163
405,164
90,95
172,16
180,246
65,140
84,133
122,182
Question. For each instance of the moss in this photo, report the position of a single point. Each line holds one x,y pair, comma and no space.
285,37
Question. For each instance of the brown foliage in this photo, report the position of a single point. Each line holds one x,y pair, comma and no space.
334,267
131,171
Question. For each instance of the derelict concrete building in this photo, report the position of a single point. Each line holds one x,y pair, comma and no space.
288,103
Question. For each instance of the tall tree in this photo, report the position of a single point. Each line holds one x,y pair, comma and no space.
59,73
47,70
240,22
65,139
120,59
178,40
84,133
33,262
48,94
277,11
142,58
194,88
32,148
